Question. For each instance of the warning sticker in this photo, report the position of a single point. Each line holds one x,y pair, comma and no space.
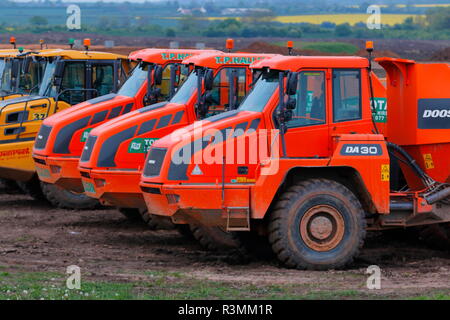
429,164
385,172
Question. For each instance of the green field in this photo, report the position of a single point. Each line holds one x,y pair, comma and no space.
159,285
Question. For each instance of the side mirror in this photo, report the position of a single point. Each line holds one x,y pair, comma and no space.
291,84
158,75
291,104
209,80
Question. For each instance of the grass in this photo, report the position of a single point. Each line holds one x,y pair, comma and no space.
435,296
329,47
160,285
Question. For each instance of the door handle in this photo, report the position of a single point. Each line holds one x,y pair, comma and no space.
44,105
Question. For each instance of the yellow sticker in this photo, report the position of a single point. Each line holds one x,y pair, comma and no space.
385,172
244,180
429,164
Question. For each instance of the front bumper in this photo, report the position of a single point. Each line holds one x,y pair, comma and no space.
115,188
60,171
207,204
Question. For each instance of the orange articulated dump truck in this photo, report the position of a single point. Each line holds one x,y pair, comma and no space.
113,159
311,172
62,137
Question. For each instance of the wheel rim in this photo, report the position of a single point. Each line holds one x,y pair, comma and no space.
322,228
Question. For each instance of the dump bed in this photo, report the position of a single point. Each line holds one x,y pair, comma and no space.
419,113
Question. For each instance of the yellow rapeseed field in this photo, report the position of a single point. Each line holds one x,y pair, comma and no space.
389,19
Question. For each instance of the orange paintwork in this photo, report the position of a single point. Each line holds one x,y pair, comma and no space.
68,175
406,87
307,147
120,184
349,145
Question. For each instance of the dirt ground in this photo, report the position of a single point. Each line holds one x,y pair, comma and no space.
37,238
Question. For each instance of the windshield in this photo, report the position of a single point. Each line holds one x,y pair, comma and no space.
263,90
134,82
2,67
47,88
187,90
6,75
29,81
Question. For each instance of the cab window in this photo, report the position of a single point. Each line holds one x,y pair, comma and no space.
181,74
74,81
102,79
309,100
346,95
221,88
29,82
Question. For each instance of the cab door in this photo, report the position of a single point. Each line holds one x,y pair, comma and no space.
347,113
307,133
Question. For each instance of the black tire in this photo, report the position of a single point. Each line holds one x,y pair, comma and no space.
436,235
32,188
317,224
131,214
252,244
157,222
214,238
185,231
10,187
65,199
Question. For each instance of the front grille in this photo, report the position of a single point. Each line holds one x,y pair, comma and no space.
151,190
42,137
88,147
154,162
85,174
40,161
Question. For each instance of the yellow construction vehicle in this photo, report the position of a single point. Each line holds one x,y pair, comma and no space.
70,77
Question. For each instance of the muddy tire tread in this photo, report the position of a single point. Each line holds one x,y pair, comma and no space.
278,216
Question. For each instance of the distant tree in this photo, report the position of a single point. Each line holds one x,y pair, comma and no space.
438,18
343,30
229,23
189,23
170,33
328,25
38,21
